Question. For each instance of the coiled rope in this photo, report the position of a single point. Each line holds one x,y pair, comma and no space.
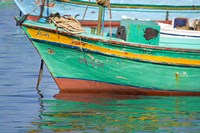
68,23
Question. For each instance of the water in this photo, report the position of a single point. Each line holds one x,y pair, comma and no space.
24,109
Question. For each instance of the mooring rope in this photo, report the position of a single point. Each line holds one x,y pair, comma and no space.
68,23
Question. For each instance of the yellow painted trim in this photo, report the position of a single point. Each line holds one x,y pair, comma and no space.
53,37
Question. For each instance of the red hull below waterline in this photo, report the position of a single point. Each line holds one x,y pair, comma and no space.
85,86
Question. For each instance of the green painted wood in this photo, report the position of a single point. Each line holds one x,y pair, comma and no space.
65,61
121,45
146,32
73,63
177,42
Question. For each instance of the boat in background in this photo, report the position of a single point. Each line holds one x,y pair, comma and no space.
182,27
143,10
182,31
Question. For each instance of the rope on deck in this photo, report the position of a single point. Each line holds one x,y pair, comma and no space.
68,23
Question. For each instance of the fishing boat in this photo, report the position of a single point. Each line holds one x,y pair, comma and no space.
131,60
152,9
184,29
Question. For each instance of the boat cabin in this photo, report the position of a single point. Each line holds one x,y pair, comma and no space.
139,31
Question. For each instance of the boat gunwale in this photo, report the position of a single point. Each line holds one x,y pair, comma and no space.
111,55
113,42
138,6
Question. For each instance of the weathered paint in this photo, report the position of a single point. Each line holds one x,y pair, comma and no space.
67,63
145,32
110,63
87,86
142,54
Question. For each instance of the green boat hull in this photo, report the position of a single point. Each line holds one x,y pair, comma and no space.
70,63
89,62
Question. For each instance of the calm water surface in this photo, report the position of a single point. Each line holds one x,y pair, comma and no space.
22,109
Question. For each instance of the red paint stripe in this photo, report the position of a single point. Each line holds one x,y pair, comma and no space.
92,23
85,86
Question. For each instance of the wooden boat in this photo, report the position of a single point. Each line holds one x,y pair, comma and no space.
130,61
143,10
184,29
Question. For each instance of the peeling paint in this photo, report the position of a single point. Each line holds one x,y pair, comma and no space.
177,77
121,77
150,33
50,51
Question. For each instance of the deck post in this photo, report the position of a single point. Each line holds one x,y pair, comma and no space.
167,15
101,8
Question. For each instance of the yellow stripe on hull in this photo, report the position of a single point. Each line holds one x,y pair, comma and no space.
53,37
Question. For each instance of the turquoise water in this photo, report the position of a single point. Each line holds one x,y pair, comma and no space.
115,114
25,109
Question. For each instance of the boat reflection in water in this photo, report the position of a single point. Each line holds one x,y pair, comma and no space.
86,112
94,97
